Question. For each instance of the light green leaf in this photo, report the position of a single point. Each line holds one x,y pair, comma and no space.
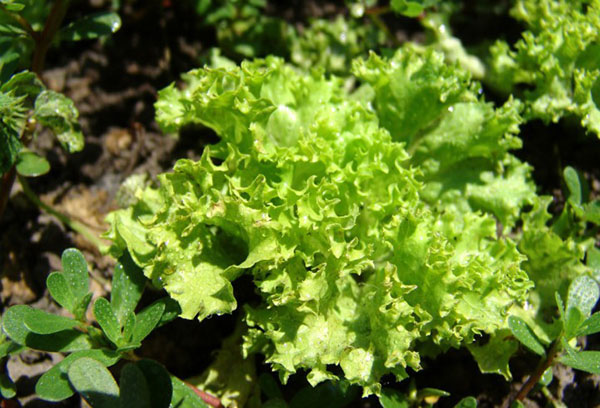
41,322
390,398
59,289
30,164
11,5
8,389
588,361
583,295
547,377
146,321
411,8
13,324
525,335
590,326
54,384
108,321
94,382
467,402
573,184
81,307
57,112
494,356
91,26
76,272
184,396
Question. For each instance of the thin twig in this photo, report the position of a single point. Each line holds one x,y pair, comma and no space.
539,371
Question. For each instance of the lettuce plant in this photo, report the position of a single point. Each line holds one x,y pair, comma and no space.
367,220
556,61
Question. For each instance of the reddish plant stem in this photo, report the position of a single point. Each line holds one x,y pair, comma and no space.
209,399
53,22
539,371
8,180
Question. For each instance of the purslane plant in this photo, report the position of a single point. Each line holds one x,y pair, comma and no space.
91,349
367,220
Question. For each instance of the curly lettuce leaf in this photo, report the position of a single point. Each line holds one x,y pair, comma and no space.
460,143
557,58
331,45
311,197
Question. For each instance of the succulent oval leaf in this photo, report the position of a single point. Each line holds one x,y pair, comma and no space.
91,26
108,321
41,322
146,321
30,164
60,290
127,287
583,294
94,382
76,271
588,361
525,335
54,384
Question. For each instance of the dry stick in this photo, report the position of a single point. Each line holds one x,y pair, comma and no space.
539,371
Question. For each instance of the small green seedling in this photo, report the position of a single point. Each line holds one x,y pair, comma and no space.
575,320
28,29
91,349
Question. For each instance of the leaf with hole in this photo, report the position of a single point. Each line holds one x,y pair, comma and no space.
94,382
525,335
92,26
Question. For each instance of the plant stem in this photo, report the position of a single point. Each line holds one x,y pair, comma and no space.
539,371
53,22
376,19
73,224
8,180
